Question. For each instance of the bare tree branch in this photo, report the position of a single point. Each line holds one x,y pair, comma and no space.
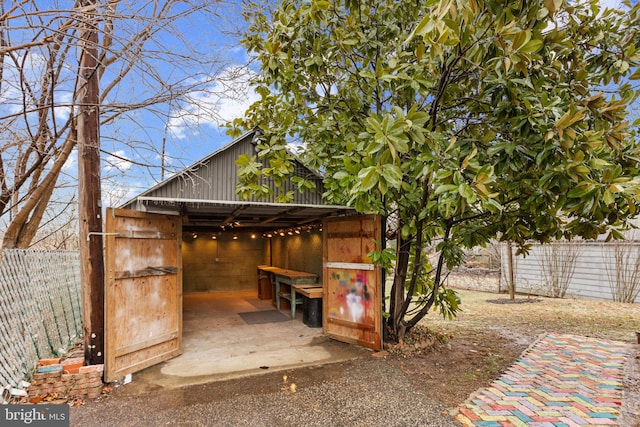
38,85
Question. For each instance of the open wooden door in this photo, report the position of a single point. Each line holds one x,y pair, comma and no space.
352,306
143,295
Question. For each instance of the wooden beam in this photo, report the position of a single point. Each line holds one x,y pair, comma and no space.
122,351
281,215
89,194
352,235
233,215
145,234
355,325
149,271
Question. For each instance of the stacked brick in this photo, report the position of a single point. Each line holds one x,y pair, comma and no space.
66,379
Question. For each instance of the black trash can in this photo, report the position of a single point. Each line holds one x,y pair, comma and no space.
312,312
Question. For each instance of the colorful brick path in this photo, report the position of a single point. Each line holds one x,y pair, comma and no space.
562,380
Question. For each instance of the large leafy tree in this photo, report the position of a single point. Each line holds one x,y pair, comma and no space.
459,120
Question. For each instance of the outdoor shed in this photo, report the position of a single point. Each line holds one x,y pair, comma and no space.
193,234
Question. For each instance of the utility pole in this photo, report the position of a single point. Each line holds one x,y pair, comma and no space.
89,194
512,275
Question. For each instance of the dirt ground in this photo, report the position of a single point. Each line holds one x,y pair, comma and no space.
492,331
450,360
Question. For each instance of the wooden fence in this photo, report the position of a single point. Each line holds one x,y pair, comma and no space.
40,309
592,270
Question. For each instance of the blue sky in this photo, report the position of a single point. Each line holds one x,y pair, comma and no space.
196,132
132,145
193,132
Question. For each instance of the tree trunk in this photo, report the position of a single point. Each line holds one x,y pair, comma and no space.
395,329
14,235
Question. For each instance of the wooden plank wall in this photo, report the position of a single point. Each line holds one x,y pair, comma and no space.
352,300
143,297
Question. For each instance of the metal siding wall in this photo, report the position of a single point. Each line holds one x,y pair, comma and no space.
310,197
213,179
590,279
223,173
216,179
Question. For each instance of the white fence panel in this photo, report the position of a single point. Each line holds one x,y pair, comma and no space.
593,277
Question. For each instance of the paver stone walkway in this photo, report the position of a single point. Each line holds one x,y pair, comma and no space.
561,380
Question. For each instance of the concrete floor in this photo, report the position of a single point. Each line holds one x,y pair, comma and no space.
219,345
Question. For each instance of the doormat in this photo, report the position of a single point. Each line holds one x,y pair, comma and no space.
263,316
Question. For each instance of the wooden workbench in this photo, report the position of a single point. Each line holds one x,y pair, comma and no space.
283,279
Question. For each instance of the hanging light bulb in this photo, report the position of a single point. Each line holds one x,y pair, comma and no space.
235,236
214,237
195,235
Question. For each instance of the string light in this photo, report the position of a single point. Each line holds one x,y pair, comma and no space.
282,232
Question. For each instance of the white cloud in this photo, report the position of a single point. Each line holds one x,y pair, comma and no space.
114,194
63,105
118,161
226,100
72,161
168,160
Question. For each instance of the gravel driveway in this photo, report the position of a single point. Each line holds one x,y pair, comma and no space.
365,392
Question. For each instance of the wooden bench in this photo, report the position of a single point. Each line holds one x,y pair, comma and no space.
309,290
313,290
314,293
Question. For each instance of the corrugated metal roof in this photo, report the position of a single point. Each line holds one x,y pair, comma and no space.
220,214
205,193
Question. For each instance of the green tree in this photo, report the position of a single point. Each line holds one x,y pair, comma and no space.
459,120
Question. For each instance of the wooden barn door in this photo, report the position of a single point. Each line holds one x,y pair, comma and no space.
352,284
143,295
